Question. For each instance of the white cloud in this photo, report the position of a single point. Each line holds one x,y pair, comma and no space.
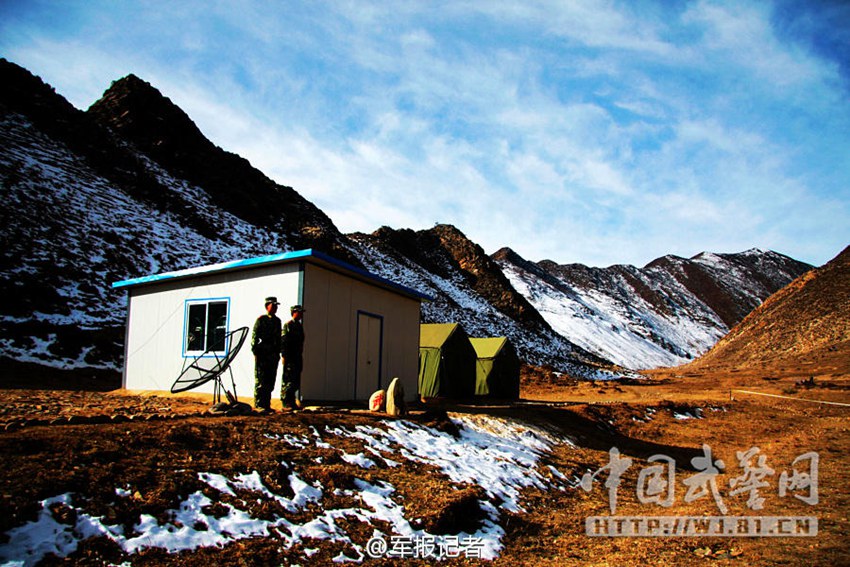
742,35
599,132
589,23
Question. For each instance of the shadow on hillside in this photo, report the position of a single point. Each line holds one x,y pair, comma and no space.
586,432
16,375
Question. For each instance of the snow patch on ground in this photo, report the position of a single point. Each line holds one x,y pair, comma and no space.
501,456
695,413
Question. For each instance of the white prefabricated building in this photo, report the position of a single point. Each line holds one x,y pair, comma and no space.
361,330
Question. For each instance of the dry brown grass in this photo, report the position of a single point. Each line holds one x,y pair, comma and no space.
782,428
160,456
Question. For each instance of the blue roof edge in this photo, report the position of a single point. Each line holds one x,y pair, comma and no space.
272,258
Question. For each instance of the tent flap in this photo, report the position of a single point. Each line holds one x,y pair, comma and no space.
429,372
497,369
446,362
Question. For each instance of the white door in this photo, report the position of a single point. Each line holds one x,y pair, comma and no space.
370,330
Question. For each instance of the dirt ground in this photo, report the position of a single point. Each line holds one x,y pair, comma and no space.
57,441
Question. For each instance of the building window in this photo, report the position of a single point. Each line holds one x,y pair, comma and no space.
206,326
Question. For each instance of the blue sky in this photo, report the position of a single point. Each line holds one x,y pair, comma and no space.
598,132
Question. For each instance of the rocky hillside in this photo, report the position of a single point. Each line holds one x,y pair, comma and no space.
83,206
155,127
468,287
664,314
132,187
808,320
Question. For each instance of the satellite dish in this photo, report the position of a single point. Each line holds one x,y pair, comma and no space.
211,364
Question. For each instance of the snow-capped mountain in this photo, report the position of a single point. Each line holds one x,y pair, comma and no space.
131,187
664,314
803,326
468,287
83,207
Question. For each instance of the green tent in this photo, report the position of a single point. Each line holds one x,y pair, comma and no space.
446,362
497,369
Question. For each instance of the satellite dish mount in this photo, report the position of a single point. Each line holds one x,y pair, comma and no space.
211,365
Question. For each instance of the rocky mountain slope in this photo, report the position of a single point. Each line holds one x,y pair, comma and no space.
468,287
664,314
808,320
132,187
84,207
155,127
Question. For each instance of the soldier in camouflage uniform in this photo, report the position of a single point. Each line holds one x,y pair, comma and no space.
265,344
292,351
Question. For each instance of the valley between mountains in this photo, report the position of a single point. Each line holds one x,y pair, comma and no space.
690,389
131,187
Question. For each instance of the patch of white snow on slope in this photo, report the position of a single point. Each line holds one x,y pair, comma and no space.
499,455
603,325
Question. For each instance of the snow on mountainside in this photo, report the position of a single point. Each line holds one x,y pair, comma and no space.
131,187
664,314
70,233
456,300
807,321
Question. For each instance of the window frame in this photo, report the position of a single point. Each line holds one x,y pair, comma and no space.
206,302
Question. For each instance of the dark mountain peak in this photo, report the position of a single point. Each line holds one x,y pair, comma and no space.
387,232
445,251
666,261
752,252
505,253
748,257
22,90
430,247
448,231
507,256
703,255
487,278
417,246
468,254
140,114
133,82
137,111
26,94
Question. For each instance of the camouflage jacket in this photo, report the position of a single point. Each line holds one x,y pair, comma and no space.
292,339
265,339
